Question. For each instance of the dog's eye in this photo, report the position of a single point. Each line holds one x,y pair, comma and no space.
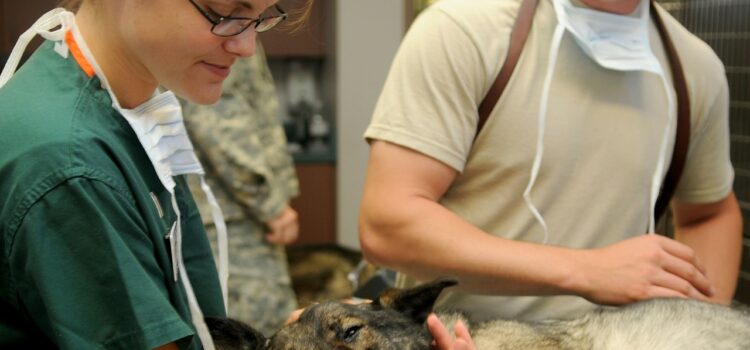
350,333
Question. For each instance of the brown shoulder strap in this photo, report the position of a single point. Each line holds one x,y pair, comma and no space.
518,36
682,139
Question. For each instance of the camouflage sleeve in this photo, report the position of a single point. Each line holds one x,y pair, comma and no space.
242,143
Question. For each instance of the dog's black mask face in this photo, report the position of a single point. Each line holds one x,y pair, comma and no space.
395,320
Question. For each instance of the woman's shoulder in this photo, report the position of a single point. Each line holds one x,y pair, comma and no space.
56,125
46,95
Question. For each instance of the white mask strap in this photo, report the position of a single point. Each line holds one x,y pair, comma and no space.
195,311
42,26
554,50
175,235
660,172
221,238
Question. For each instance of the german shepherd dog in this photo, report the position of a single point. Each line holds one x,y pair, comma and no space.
396,321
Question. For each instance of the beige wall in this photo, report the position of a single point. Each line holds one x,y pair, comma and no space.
367,36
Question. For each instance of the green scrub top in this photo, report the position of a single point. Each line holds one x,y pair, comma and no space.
85,263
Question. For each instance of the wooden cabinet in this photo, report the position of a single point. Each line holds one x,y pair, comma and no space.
15,18
4,46
308,39
310,42
316,203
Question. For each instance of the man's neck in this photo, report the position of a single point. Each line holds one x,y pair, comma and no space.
620,7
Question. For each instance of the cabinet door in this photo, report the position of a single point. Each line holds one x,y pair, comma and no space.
316,204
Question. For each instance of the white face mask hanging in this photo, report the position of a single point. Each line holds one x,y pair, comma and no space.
160,129
614,42
617,42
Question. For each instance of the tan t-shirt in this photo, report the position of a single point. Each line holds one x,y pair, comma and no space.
601,140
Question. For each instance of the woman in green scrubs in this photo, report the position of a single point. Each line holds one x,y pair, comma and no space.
102,245
83,210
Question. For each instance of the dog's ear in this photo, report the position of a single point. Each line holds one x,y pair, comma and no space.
416,303
229,334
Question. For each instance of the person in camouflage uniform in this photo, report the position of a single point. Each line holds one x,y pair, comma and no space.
243,149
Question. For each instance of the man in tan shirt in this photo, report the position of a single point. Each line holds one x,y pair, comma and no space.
438,202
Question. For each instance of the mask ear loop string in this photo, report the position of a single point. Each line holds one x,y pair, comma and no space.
659,172
195,311
221,238
554,49
42,26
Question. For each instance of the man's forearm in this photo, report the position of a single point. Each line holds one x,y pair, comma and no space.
426,240
717,241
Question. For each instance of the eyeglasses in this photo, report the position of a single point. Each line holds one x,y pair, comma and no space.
231,26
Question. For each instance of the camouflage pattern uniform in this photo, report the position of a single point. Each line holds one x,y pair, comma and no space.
243,149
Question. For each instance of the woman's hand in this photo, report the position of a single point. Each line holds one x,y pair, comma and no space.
444,340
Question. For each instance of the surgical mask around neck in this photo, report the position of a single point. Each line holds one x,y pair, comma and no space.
159,127
618,42
615,42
